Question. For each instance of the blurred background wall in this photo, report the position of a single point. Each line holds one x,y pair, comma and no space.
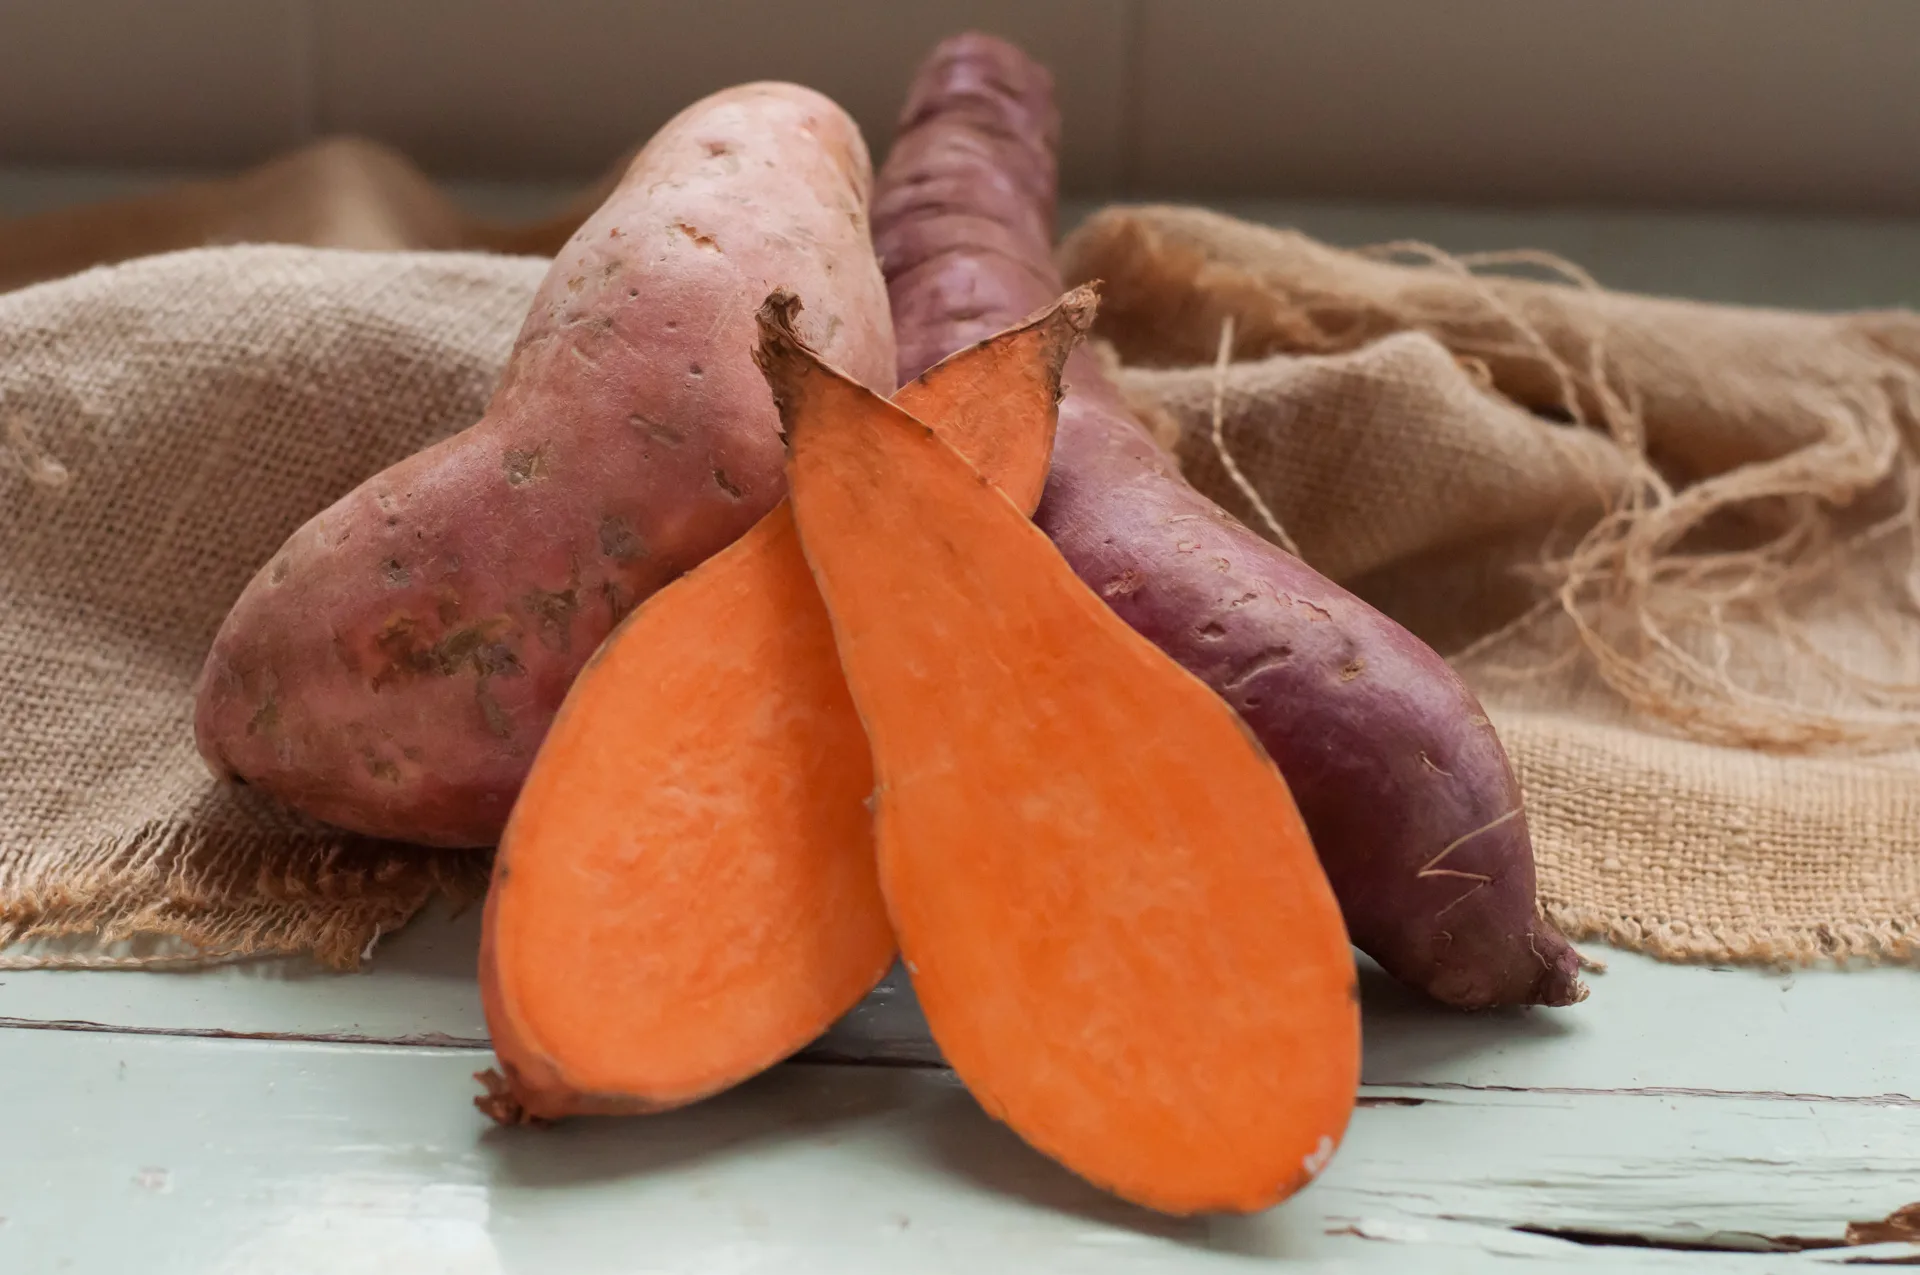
1810,105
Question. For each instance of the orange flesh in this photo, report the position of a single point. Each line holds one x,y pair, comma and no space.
1111,910
686,891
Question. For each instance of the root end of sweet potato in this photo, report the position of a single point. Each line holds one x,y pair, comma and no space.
1560,984
501,1104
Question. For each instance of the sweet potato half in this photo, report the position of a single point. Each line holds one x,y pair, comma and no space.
686,891
1108,903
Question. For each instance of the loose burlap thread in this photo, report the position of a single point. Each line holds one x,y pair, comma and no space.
1672,546
1712,703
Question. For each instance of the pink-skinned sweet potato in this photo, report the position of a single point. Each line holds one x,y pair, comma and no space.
392,669
1405,788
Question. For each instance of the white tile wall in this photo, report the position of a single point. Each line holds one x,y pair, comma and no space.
1771,103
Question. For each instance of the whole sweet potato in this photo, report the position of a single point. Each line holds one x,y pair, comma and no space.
392,669
1406,791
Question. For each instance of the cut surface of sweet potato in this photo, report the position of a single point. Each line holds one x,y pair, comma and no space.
1109,905
686,891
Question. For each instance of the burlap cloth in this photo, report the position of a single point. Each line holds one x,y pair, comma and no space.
164,425
1712,692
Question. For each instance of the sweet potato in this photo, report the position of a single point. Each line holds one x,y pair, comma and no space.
1106,898
393,668
1413,806
686,890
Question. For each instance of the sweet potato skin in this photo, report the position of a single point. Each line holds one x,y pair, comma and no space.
1408,795
392,669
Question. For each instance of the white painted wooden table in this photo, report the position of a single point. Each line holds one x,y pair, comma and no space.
270,1118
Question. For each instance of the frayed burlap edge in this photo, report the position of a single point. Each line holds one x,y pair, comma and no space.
1784,947
309,897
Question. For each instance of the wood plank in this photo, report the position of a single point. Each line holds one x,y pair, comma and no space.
1655,1026
419,988
1647,1026
164,1154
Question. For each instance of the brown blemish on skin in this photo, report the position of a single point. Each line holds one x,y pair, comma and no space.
552,612
394,574
446,605
1353,669
475,646
344,653
496,658
618,604
498,724
619,541
725,484
699,238
380,767
716,149
266,717
526,465
658,431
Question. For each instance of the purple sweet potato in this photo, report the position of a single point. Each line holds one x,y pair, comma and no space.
393,668
1406,791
